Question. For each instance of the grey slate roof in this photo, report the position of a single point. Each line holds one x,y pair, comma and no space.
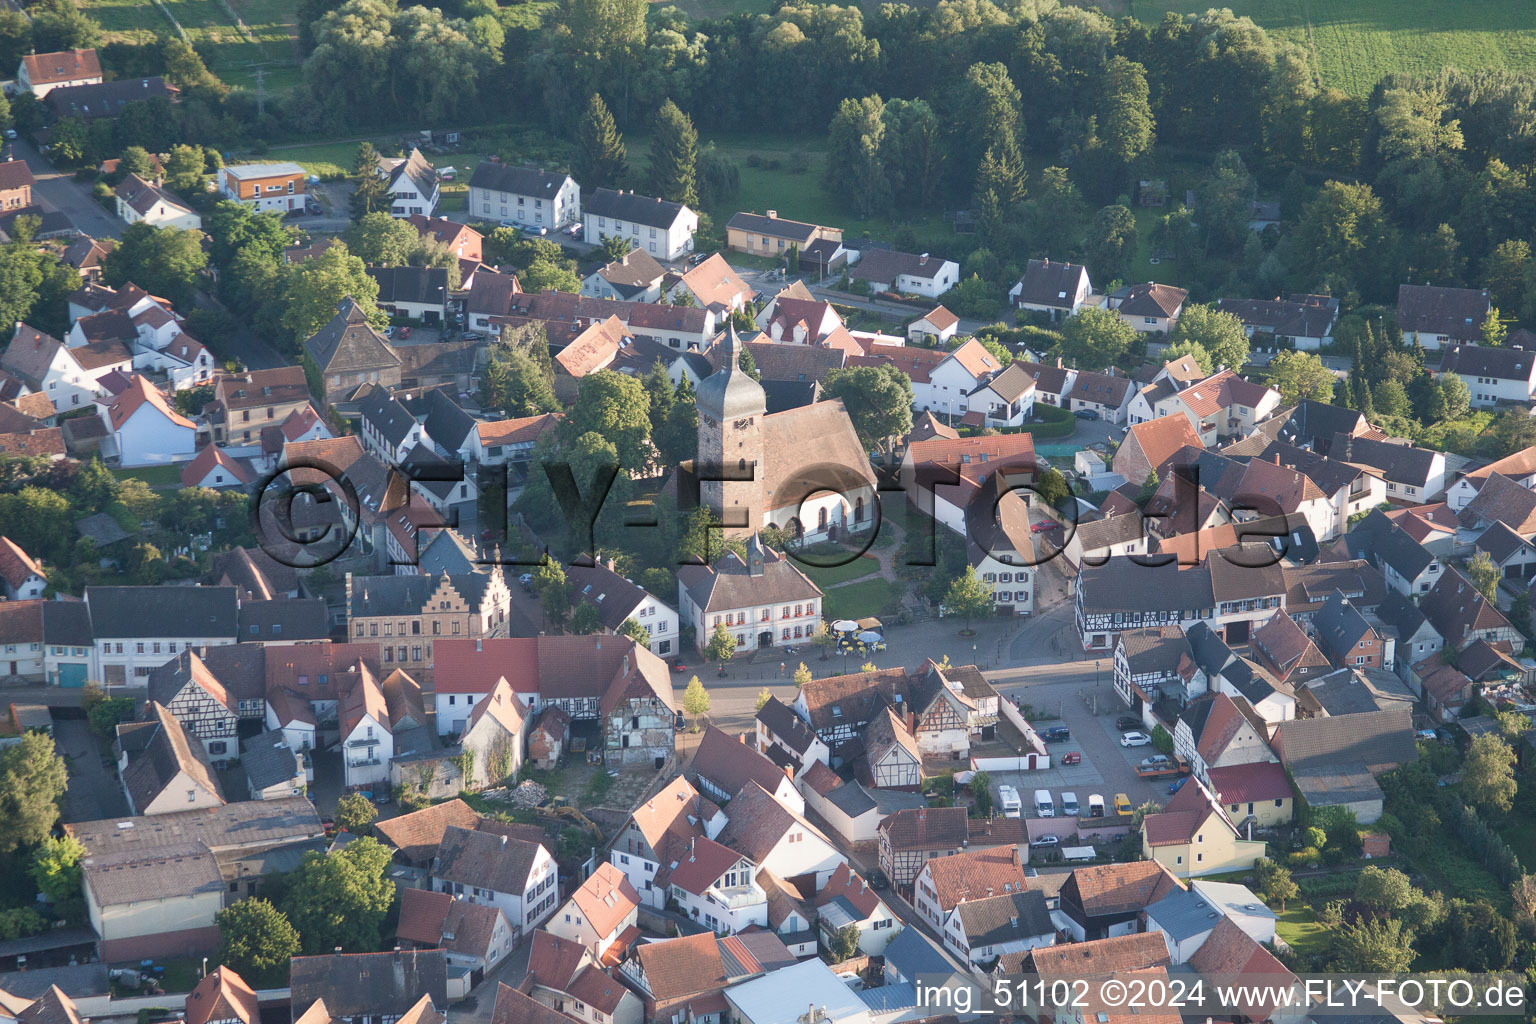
1006,918
423,285
1401,463
67,623
141,612
626,205
1051,283
1485,361
104,99
349,343
1377,739
369,984
484,860
1315,423
728,585
386,414
267,761
1298,316
521,181
1340,626
283,620
1455,312
776,227
612,595
789,727
1183,914
445,423
405,595
1123,585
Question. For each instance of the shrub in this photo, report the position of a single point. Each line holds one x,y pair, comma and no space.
1304,858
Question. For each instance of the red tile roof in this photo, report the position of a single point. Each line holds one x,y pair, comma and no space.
16,566
221,995
1250,783
607,898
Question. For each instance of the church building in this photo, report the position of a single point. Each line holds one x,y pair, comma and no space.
802,470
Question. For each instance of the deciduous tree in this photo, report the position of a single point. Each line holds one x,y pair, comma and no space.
341,898
969,596
356,814
878,399
1220,334
1488,774
721,647
1096,338
312,291
163,261
258,941
696,698
1299,376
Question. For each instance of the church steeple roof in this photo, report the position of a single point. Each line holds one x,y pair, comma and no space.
729,393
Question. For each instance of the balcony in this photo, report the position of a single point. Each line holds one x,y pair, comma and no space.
737,897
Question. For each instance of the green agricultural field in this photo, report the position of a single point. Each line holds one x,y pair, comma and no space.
231,54
783,173
1354,43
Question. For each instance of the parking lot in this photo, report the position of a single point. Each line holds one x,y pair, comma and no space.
1107,768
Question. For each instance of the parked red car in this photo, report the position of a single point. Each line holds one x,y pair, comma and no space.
1072,758
405,332
1043,526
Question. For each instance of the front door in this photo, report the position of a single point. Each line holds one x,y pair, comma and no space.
764,639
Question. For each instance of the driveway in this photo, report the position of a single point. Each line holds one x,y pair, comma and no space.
94,792
55,190
477,1008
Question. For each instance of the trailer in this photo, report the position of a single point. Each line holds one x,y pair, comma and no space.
1164,770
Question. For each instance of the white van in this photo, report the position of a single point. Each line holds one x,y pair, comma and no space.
1045,807
1069,806
1008,798
1095,805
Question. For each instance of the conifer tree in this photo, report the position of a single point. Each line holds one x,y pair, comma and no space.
600,155
674,156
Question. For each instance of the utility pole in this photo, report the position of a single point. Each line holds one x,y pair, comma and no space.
260,74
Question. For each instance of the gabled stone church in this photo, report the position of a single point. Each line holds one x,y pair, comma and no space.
802,470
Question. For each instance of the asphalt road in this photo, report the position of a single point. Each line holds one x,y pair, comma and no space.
56,190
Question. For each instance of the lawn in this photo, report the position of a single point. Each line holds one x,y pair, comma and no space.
231,54
783,172
1299,928
328,158
1354,43
1520,834
157,477
832,575
858,600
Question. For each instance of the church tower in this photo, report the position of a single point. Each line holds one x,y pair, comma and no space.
731,410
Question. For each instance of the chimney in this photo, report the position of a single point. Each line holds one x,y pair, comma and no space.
1277,458
503,842
338,949
774,215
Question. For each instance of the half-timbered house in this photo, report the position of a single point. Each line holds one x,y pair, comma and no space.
909,838
189,691
839,708
891,759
